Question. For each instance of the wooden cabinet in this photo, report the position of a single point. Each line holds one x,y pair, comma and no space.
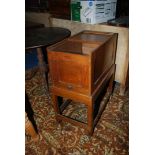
80,68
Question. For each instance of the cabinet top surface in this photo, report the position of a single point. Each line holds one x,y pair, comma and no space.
92,37
83,43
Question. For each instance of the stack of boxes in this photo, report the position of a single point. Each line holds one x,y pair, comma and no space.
75,10
93,11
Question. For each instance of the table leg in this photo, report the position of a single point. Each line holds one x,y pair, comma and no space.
43,67
30,128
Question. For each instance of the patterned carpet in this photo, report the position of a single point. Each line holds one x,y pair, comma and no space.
111,135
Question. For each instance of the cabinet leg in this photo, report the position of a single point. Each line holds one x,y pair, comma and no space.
111,82
56,103
90,118
56,107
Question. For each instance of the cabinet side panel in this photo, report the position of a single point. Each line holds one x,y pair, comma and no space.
103,59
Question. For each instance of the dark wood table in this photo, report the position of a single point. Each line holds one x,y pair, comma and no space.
36,37
42,37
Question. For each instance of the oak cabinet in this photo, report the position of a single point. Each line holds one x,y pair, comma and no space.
80,67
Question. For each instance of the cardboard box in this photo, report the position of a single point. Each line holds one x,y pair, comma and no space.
97,11
75,10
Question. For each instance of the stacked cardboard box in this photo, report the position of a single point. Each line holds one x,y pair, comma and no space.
75,10
95,11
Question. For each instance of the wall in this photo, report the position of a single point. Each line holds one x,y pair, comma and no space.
38,17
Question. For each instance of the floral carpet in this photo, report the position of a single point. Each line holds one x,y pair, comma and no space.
110,137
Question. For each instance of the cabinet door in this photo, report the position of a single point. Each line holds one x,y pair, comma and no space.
70,71
60,8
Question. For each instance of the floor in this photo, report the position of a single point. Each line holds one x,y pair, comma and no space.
111,134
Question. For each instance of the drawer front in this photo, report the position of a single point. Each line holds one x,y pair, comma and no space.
70,71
